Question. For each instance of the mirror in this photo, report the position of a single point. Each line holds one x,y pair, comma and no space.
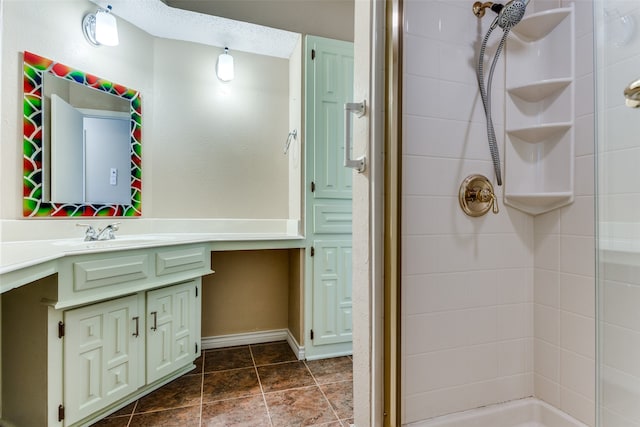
82,147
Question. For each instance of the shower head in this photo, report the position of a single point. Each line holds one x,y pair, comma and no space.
511,14
508,15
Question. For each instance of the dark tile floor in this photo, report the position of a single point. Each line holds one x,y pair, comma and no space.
253,386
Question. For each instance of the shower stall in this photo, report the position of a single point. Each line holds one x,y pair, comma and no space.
537,305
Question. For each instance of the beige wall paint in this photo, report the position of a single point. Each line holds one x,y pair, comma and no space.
24,370
296,300
247,293
206,154
218,146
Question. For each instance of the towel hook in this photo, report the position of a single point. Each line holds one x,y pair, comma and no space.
292,135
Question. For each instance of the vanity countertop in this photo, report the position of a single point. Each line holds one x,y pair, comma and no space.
17,256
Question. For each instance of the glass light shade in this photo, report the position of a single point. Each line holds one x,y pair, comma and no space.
224,68
106,28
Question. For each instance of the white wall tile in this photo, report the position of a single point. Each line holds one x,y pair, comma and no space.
577,334
572,374
515,321
547,390
546,290
546,323
546,360
547,251
579,217
584,135
515,357
577,255
578,406
577,294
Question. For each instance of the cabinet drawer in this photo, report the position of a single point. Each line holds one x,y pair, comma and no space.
109,271
332,219
173,261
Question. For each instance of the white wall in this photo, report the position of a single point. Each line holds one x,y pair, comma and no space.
618,196
564,258
467,283
296,148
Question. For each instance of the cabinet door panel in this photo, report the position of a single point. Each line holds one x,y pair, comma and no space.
171,335
332,302
100,351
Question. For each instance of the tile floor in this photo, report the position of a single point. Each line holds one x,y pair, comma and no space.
255,385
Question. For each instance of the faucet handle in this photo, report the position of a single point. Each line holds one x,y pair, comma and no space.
115,226
90,232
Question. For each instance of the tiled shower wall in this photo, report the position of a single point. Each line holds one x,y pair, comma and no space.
467,282
564,259
498,307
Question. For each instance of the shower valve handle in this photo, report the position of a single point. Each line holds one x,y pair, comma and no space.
476,196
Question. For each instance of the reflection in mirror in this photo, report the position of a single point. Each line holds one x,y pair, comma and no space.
86,144
81,143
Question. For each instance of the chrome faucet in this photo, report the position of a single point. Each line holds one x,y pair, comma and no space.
107,233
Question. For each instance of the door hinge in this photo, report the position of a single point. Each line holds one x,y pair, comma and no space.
313,187
60,413
313,54
196,348
312,334
313,252
60,329
196,292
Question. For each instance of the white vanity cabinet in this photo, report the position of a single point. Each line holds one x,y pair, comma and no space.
102,349
107,329
172,335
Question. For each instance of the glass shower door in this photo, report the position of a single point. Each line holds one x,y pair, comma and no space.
617,51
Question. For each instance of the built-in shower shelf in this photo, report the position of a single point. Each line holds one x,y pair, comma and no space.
537,91
540,112
539,133
538,25
537,203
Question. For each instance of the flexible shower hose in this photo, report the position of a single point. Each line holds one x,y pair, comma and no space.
485,94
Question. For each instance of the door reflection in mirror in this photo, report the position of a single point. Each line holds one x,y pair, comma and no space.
87,145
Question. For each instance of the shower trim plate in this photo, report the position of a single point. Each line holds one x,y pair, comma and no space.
476,196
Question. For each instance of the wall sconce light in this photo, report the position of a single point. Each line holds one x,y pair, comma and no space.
224,67
100,28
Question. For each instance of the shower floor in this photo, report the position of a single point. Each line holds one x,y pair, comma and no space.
528,412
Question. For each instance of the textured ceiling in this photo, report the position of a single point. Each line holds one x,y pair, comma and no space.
160,20
326,18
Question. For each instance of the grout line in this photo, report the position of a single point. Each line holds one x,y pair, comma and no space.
264,398
322,391
201,388
133,411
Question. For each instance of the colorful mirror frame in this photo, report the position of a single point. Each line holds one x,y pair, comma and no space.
33,204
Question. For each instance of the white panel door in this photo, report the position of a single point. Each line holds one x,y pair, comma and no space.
172,338
332,303
101,352
329,65
67,152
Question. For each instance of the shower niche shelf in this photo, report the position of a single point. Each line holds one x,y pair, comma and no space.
538,91
538,25
539,112
539,133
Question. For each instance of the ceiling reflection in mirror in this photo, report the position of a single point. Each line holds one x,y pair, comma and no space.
122,172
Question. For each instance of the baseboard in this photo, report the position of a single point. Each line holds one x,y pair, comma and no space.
232,340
